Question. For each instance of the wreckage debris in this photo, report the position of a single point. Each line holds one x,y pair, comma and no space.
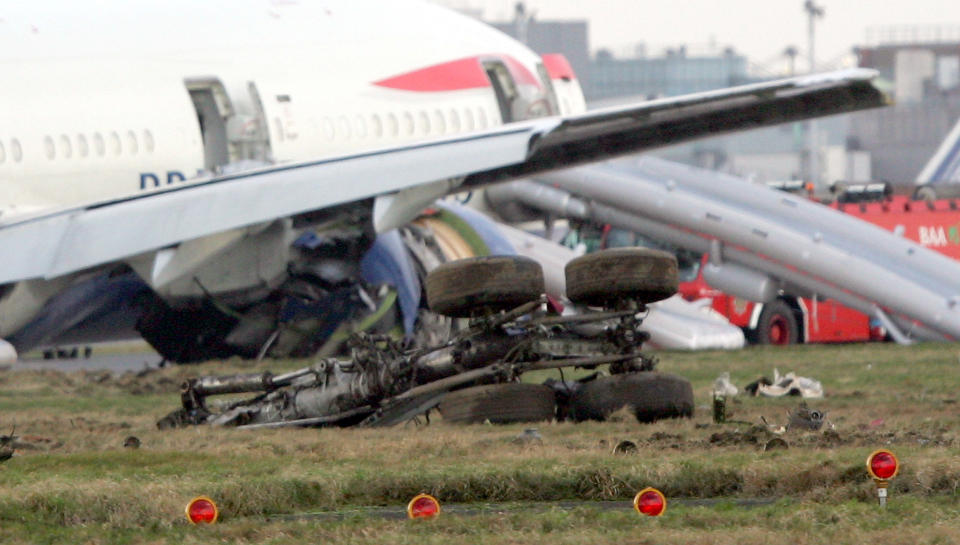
786,385
529,436
720,413
777,443
7,445
755,435
474,374
131,442
723,387
805,418
625,447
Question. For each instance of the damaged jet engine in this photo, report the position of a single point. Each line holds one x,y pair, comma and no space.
508,328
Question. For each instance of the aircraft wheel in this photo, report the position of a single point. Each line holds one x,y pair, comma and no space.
650,395
499,404
608,277
777,325
468,287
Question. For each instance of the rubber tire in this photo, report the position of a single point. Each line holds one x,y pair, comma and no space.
499,404
777,314
469,287
650,395
608,277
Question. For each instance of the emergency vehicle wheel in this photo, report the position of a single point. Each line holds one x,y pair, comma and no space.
777,324
608,277
499,404
470,287
925,193
650,395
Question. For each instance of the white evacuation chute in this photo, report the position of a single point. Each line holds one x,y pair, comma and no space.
8,355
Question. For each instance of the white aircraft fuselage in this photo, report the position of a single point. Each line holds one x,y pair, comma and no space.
104,100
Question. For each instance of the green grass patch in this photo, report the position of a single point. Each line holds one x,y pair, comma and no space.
74,482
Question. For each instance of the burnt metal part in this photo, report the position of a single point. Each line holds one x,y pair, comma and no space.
385,382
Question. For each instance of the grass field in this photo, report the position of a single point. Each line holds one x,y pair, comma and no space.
72,481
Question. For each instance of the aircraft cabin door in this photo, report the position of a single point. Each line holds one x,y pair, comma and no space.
247,131
504,87
213,108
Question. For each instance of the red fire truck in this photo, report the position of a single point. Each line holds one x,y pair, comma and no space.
791,319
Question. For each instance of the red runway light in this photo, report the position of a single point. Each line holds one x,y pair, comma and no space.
202,510
882,465
423,506
650,502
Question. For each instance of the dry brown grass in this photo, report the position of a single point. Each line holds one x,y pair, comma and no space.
81,477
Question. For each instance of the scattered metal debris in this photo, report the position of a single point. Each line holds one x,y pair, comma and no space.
529,436
719,408
777,443
131,442
510,332
7,445
625,447
805,418
755,435
786,385
723,387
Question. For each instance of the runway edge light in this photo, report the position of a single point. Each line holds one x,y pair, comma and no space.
882,466
423,506
202,510
650,502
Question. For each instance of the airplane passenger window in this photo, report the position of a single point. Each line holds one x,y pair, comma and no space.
98,144
424,124
48,147
407,123
115,143
454,121
65,146
377,125
393,127
132,146
360,126
439,123
148,142
83,149
482,117
468,119
3,154
328,130
15,150
343,127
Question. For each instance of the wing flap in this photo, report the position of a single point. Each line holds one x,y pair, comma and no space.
611,132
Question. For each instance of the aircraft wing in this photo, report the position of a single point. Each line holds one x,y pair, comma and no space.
404,179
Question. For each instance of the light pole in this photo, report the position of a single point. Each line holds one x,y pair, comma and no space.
813,168
791,54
